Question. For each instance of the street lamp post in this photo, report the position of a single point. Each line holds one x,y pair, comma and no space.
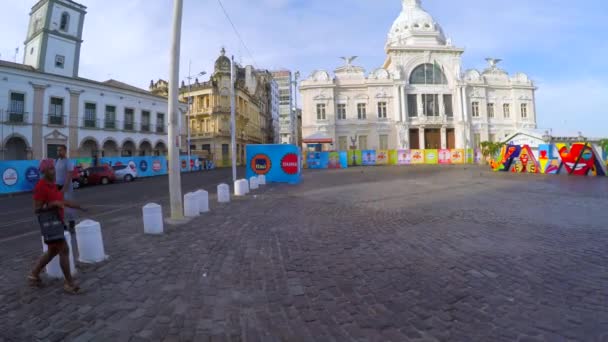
190,77
175,182
295,109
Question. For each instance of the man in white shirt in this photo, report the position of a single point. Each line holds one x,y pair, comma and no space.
64,169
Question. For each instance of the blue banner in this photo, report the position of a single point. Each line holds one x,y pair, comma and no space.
368,157
318,160
279,163
19,175
344,160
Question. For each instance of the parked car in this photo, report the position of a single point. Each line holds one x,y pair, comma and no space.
79,177
124,172
100,175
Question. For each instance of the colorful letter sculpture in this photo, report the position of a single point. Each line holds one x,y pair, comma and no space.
581,160
517,159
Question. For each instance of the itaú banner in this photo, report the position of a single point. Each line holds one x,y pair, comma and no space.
279,163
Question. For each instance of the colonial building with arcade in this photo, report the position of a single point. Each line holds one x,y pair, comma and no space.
418,99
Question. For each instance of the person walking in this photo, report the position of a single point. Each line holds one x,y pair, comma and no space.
48,197
64,171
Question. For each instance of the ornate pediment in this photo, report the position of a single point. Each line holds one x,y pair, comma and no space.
56,135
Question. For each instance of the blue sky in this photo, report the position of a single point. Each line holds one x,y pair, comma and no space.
560,44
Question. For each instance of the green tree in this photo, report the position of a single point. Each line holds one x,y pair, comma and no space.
490,149
604,144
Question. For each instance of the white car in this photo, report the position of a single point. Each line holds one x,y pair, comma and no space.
125,173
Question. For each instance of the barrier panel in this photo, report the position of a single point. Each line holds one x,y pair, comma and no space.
279,163
22,175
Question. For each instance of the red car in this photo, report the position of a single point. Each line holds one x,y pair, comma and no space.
100,175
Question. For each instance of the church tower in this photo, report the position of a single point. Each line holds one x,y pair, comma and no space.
54,37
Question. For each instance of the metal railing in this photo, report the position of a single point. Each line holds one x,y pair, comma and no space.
14,117
144,127
109,124
56,120
160,129
89,123
129,126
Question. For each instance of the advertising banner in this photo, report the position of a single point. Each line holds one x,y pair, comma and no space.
404,157
382,157
279,163
334,160
470,156
478,156
431,156
19,175
445,157
457,156
393,157
344,160
369,157
354,157
417,156
317,160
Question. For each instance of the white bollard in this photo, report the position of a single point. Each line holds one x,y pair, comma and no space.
153,219
240,188
246,185
253,183
53,268
262,179
223,193
90,242
191,208
203,201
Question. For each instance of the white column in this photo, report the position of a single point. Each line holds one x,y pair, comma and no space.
397,104
444,142
420,105
421,137
441,105
403,104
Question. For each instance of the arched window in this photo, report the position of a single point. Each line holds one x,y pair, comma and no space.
428,74
65,21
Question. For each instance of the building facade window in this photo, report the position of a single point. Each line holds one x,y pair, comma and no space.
492,138
412,105
64,24
363,142
490,110
430,104
476,140
341,111
129,119
448,106
145,121
524,111
56,111
475,109
160,122
428,74
383,142
110,120
321,114
17,104
59,61
382,110
342,143
506,110
361,111
90,115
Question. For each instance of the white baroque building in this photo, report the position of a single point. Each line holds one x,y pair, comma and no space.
419,98
44,103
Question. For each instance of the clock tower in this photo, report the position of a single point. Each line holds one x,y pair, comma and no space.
54,37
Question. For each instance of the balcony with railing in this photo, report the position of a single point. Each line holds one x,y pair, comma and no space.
129,126
110,124
144,128
55,120
89,123
430,120
12,117
160,129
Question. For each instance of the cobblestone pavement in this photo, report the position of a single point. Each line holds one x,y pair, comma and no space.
374,254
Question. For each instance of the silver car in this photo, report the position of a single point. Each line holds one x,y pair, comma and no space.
125,173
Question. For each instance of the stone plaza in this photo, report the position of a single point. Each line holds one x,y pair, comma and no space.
423,253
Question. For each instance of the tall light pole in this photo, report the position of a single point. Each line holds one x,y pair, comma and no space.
175,181
190,77
233,118
295,109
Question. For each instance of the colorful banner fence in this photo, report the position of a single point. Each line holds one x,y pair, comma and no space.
22,175
323,160
579,159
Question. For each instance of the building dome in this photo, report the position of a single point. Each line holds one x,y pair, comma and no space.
415,26
222,64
